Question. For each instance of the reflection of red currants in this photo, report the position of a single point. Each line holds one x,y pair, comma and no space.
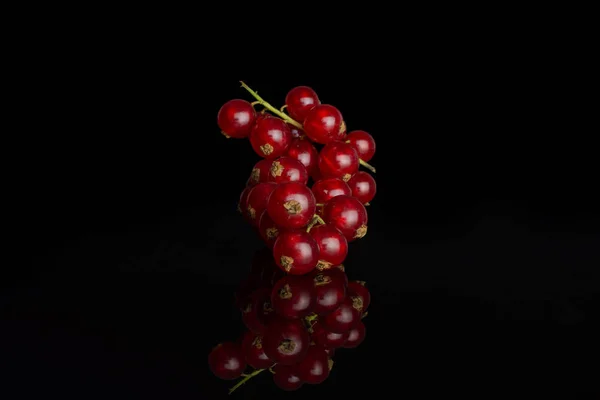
363,186
305,152
324,123
286,377
293,296
227,361
291,205
287,169
326,189
347,214
329,340
299,101
330,289
286,341
363,143
270,137
296,252
257,201
356,336
254,352
267,229
345,317
315,367
338,160
359,289
243,203
333,246
236,118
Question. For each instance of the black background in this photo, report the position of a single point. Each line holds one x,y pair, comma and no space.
482,253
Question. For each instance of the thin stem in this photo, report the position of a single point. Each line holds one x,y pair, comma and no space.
314,221
367,165
364,315
283,107
320,204
246,378
226,135
319,219
271,370
271,108
254,103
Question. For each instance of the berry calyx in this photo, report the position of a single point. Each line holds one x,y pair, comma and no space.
270,137
293,296
257,201
363,143
359,289
227,361
287,169
356,336
286,377
348,215
267,229
305,152
253,351
236,118
330,289
286,341
329,340
314,369
363,186
260,172
291,205
296,252
326,189
300,100
324,123
338,160
333,246
345,317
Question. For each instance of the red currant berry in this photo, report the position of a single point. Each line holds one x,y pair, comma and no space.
270,137
287,169
299,101
293,296
338,160
262,115
324,123
363,143
253,351
296,132
291,205
296,252
330,289
305,152
359,289
260,172
356,336
347,214
236,118
363,186
315,367
345,317
333,246
258,199
286,341
326,189
258,311
329,340
268,230
226,361
243,203
286,377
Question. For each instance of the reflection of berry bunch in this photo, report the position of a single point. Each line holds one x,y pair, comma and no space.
306,308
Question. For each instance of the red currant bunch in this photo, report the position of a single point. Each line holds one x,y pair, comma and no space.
307,199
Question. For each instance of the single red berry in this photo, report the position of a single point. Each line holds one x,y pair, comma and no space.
293,296
359,289
270,137
305,152
227,361
254,353
299,101
345,317
287,169
257,312
330,289
337,273
286,341
286,377
296,252
236,118
356,335
243,203
315,367
296,132
329,340
324,123
347,214
338,160
333,246
363,143
268,230
363,186
291,205
258,199
326,189
260,172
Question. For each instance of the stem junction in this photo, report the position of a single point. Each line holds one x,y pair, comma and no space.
247,377
269,107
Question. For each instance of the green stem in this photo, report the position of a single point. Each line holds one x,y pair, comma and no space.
246,378
367,165
269,107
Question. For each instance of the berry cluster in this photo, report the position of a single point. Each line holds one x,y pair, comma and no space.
305,308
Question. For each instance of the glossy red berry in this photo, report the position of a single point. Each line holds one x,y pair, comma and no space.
293,296
236,118
338,160
260,172
326,189
254,353
296,252
257,201
286,341
333,246
363,186
363,143
329,340
348,215
299,101
270,137
315,367
324,123
345,317
286,377
227,361
287,169
305,152
330,289
359,289
268,230
356,335
243,203
291,205
257,311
